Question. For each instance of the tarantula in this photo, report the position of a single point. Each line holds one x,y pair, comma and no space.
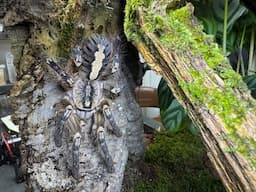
89,97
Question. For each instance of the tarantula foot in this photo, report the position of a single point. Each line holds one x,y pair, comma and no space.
110,165
75,155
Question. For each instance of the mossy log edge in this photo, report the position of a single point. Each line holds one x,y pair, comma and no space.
235,168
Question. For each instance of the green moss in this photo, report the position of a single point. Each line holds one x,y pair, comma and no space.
177,162
65,39
243,145
48,43
202,181
131,28
223,102
174,149
67,13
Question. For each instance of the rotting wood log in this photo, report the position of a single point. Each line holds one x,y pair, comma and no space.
171,40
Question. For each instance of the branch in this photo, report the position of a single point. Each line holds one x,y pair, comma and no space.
201,78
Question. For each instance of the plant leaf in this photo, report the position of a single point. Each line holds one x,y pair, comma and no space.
173,117
241,10
165,95
251,83
210,25
219,6
193,129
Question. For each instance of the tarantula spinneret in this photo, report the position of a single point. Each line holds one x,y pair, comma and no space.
96,59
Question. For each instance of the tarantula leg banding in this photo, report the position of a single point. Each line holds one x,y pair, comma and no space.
64,76
75,155
61,124
111,121
104,150
98,136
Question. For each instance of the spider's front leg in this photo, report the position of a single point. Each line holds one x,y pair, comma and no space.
69,122
66,80
98,134
61,125
110,122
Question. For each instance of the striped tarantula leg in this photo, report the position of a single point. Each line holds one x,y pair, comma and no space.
75,155
104,150
111,121
93,129
60,126
64,76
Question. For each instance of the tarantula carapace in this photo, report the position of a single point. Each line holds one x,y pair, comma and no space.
89,97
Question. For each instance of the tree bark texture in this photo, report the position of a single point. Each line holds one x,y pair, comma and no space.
50,29
172,42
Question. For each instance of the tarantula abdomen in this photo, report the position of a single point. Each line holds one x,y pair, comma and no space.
94,57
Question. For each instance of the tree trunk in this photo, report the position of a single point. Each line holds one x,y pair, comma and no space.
172,42
52,29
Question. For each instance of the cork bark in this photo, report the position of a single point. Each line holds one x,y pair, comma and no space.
50,29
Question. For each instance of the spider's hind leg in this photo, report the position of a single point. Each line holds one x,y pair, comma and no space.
111,123
98,137
75,155
61,125
104,150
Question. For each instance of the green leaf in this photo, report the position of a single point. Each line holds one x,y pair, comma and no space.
232,42
210,25
248,19
235,11
251,83
173,117
241,10
193,129
212,16
165,95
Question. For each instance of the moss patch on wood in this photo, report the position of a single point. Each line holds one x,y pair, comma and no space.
176,32
56,37
65,39
66,17
180,33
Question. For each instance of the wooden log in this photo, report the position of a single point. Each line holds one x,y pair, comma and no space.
171,40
